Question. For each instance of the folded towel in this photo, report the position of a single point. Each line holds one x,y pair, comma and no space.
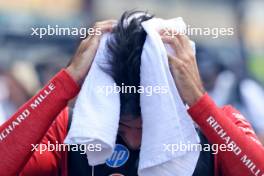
165,120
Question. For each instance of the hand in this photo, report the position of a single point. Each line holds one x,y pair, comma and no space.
183,67
82,60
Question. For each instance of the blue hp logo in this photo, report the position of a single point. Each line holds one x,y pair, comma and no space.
119,157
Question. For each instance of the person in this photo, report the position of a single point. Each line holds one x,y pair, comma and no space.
45,118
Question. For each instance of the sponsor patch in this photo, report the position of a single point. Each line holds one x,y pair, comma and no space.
119,156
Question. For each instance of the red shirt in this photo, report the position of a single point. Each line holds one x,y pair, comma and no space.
44,119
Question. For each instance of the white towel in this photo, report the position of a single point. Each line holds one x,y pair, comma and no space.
165,120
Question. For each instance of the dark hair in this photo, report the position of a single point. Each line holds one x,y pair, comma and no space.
125,48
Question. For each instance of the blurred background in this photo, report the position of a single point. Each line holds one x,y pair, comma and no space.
232,67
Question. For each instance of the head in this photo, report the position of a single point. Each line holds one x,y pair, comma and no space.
125,48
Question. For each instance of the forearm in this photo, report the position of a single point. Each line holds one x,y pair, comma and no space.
220,129
30,123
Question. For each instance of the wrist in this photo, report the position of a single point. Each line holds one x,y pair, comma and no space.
74,74
195,97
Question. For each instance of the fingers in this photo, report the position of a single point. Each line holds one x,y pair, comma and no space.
174,34
105,26
174,38
175,64
183,66
102,27
81,62
173,42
